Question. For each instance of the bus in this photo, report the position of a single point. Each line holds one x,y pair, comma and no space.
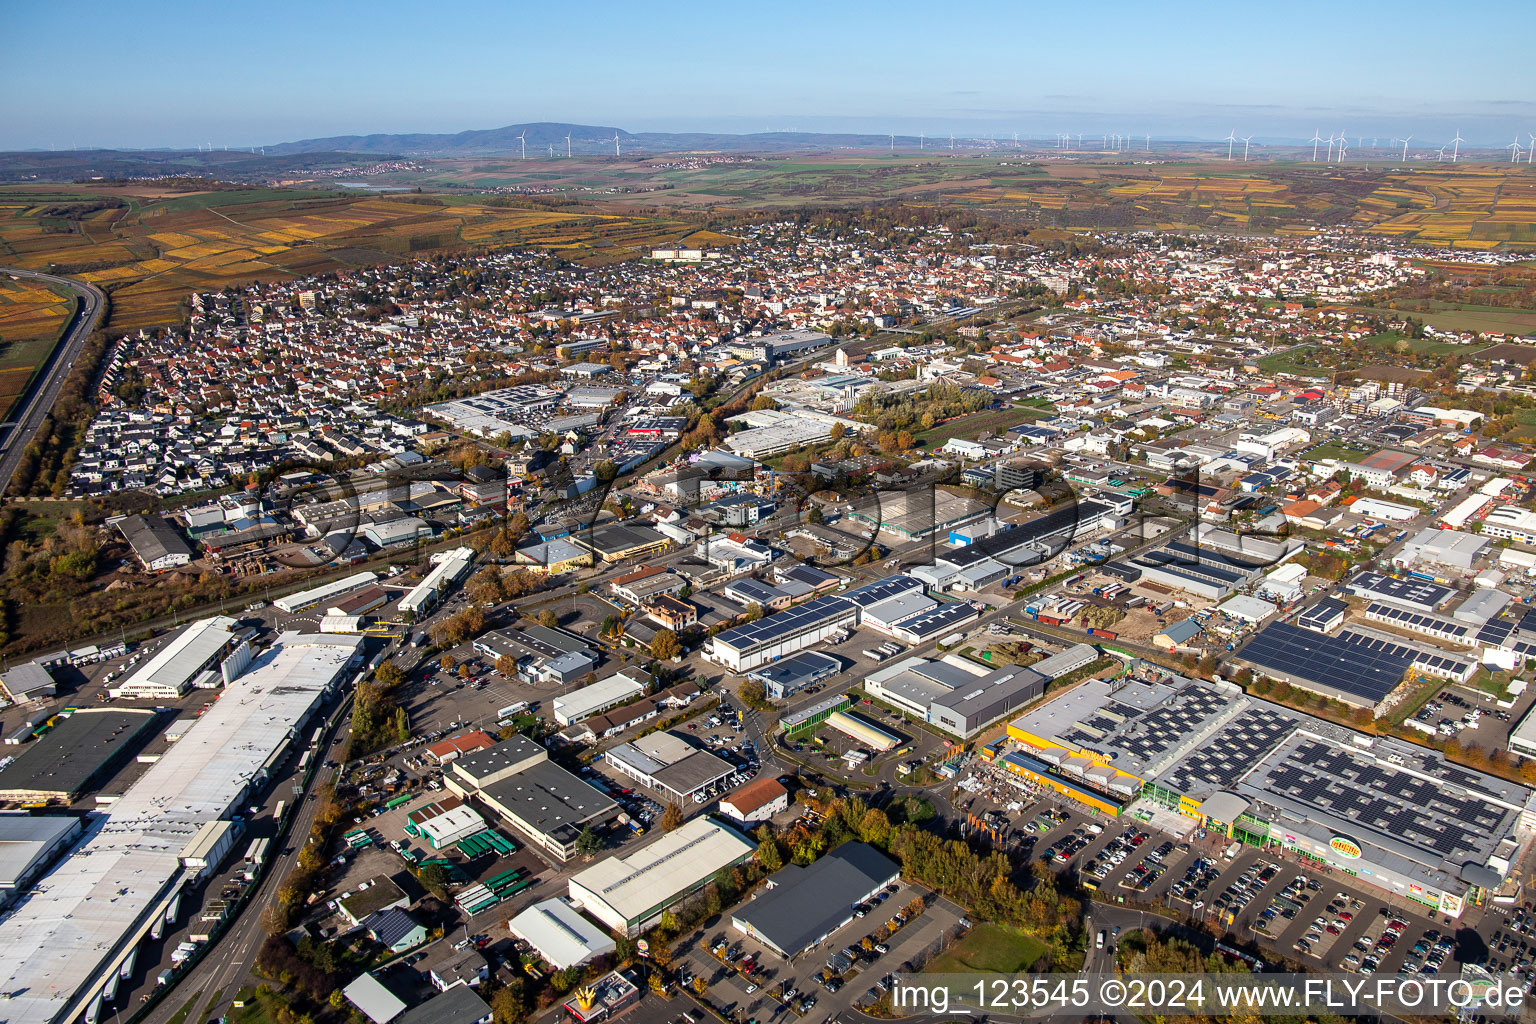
277,812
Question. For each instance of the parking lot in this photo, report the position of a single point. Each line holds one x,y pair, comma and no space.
1324,920
750,982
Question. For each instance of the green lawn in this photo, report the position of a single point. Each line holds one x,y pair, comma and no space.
996,421
1387,342
1287,362
1466,317
1335,451
990,948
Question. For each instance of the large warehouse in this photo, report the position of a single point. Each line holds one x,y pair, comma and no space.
744,648
629,893
87,917
804,905
1351,666
78,754
1396,815
960,696
542,800
190,658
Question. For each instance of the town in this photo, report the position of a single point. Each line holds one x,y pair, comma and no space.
623,639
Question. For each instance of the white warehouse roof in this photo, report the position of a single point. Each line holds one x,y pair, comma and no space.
560,934
83,917
624,890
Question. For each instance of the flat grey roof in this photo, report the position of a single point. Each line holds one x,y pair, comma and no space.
551,799
807,903
66,759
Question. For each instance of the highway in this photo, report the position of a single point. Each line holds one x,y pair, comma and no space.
50,379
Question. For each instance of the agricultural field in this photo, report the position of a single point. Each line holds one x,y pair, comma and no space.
150,251
32,317
1457,207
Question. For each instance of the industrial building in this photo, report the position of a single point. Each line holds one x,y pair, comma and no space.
155,543
1442,547
540,799
791,675
962,697
306,599
630,892
559,934
445,575
542,654
1390,813
744,648
71,935
1350,666
29,844
967,710
78,754
572,707
614,542
997,555
804,905
1413,594
28,681
668,763
196,656
914,515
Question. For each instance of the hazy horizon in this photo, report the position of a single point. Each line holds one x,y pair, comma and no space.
196,75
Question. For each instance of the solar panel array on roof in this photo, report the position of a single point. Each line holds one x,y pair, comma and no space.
882,590
1420,812
1231,753
1495,633
1393,588
783,624
1430,661
1435,625
931,623
1321,614
1159,731
1369,672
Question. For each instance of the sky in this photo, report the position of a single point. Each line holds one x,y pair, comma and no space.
171,74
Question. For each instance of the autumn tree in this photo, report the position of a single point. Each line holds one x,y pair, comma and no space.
665,645
672,818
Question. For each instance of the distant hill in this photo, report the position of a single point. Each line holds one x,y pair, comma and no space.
586,140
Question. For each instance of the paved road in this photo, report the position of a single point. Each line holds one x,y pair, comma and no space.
45,386
228,965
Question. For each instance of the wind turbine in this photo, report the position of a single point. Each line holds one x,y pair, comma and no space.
1230,140
1441,151
615,143
1149,143
893,142
523,140
1530,151
1456,144
1405,148
1245,139
1515,149
1343,145
919,140
567,147
951,141
1317,138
